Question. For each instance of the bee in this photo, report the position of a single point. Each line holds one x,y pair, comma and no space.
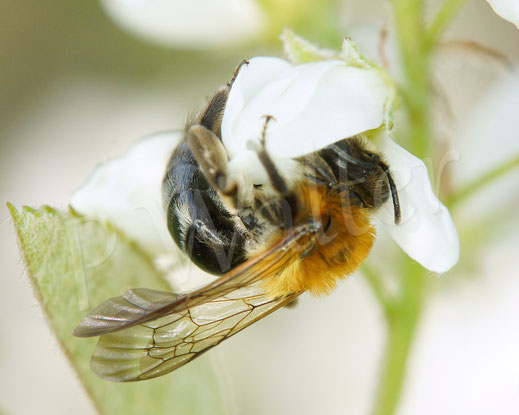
267,242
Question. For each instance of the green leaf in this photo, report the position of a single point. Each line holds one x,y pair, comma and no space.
74,264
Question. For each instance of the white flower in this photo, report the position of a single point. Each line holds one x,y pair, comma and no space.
507,9
127,192
317,104
314,105
188,24
426,232
324,101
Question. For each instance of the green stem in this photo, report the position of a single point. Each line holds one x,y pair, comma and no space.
416,60
374,279
402,320
473,187
404,314
448,10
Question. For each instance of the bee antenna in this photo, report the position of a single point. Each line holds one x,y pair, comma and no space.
394,193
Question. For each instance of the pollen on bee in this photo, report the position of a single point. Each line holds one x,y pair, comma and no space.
345,241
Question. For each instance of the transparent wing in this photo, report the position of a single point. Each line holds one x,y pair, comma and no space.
155,348
136,306
141,305
147,333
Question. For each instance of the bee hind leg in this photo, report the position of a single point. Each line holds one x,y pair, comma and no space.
209,152
237,71
204,139
211,116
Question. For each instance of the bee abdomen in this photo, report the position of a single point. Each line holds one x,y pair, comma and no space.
197,219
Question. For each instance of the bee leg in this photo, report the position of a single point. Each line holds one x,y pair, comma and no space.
210,154
277,182
318,170
211,116
205,143
237,71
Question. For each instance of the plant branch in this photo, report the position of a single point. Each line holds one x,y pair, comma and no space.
374,279
402,319
416,60
479,183
448,10
403,314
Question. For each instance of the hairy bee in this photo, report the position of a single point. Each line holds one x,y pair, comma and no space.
270,242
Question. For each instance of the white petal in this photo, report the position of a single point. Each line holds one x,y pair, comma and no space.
507,9
348,101
314,105
426,233
251,79
127,192
284,92
188,24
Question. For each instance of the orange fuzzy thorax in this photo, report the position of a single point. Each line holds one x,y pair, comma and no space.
336,253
